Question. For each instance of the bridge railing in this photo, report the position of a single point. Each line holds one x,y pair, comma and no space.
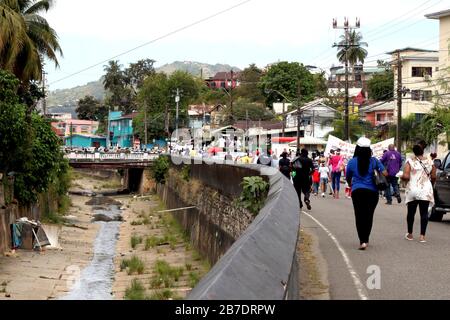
97,156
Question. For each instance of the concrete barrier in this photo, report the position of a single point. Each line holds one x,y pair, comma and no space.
261,264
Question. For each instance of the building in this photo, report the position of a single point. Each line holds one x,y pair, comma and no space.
379,113
316,117
121,131
66,126
199,115
84,141
226,80
358,76
419,69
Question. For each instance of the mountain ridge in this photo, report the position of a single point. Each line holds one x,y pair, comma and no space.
61,99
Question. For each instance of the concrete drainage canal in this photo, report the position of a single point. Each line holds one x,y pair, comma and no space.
96,280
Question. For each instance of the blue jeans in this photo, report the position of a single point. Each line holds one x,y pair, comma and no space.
336,181
316,187
392,181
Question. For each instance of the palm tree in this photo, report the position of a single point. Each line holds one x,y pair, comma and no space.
355,53
26,38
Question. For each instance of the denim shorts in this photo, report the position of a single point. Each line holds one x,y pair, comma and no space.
324,180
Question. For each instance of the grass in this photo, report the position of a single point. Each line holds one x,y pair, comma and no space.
136,223
134,265
194,278
196,256
165,274
188,266
3,290
136,291
135,240
165,294
4,283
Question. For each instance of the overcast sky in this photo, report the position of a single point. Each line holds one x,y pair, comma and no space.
259,31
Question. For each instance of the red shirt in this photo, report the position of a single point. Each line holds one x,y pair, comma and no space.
316,176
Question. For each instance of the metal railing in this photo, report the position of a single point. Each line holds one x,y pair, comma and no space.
97,156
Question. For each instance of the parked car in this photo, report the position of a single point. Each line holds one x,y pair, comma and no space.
441,189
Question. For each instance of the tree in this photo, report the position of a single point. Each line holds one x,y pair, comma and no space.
255,111
248,88
381,86
26,38
355,53
357,127
136,73
88,109
320,84
287,78
12,127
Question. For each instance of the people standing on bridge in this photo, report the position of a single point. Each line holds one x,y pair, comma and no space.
392,160
420,173
284,165
359,175
303,167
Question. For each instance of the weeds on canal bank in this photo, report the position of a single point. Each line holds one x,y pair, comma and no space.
133,265
135,240
136,291
165,274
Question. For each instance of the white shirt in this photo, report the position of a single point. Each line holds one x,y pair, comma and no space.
324,171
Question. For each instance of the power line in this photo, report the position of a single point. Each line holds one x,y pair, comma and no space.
156,39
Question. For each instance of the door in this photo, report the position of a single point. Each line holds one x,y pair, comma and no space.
442,188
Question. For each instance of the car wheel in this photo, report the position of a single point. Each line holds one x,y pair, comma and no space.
436,215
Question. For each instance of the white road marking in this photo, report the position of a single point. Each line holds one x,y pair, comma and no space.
356,279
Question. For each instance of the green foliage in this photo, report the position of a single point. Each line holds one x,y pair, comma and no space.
194,279
186,173
134,265
249,89
381,85
160,169
357,127
254,192
135,240
288,78
165,294
255,111
90,108
165,274
356,53
136,291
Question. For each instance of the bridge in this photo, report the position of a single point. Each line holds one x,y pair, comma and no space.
99,160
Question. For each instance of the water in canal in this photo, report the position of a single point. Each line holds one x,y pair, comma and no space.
96,280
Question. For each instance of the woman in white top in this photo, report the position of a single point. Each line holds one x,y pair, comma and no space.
420,173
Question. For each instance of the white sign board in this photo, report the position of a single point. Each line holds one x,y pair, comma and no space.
348,149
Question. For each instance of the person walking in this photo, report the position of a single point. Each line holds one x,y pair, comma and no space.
316,180
324,172
336,162
392,161
420,173
284,165
359,175
303,167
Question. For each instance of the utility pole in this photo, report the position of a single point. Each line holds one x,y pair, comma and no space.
298,117
145,125
399,102
284,121
347,45
44,99
313,122
177,100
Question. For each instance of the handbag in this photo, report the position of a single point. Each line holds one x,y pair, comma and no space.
380,180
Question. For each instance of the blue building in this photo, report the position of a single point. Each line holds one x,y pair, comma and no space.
121,130
84,141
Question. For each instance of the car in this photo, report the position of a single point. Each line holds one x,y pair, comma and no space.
441,189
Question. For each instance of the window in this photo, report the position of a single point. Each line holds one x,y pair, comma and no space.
421,95
380,117
84,129
422,71
419,117
222,84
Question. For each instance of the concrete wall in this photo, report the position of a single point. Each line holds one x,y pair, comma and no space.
254,259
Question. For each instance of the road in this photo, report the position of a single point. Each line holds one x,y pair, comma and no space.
407,269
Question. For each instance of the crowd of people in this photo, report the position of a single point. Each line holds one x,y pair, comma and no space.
418,173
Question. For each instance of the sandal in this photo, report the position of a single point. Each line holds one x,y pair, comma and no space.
363,246
408,238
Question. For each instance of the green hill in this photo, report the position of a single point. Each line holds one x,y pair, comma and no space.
67,99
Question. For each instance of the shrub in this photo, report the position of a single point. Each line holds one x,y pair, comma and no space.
254,193
160,169
186,173
162,295
194,278
134,265
135,240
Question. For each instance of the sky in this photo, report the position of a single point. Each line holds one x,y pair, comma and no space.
92,32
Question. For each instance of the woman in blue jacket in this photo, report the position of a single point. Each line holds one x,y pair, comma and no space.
360,174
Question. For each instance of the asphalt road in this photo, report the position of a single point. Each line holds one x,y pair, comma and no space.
406,269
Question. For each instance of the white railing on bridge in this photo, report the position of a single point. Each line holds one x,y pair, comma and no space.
97,156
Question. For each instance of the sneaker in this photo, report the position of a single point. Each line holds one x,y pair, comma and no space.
399,199
409,238
323,195
363,246
389,203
